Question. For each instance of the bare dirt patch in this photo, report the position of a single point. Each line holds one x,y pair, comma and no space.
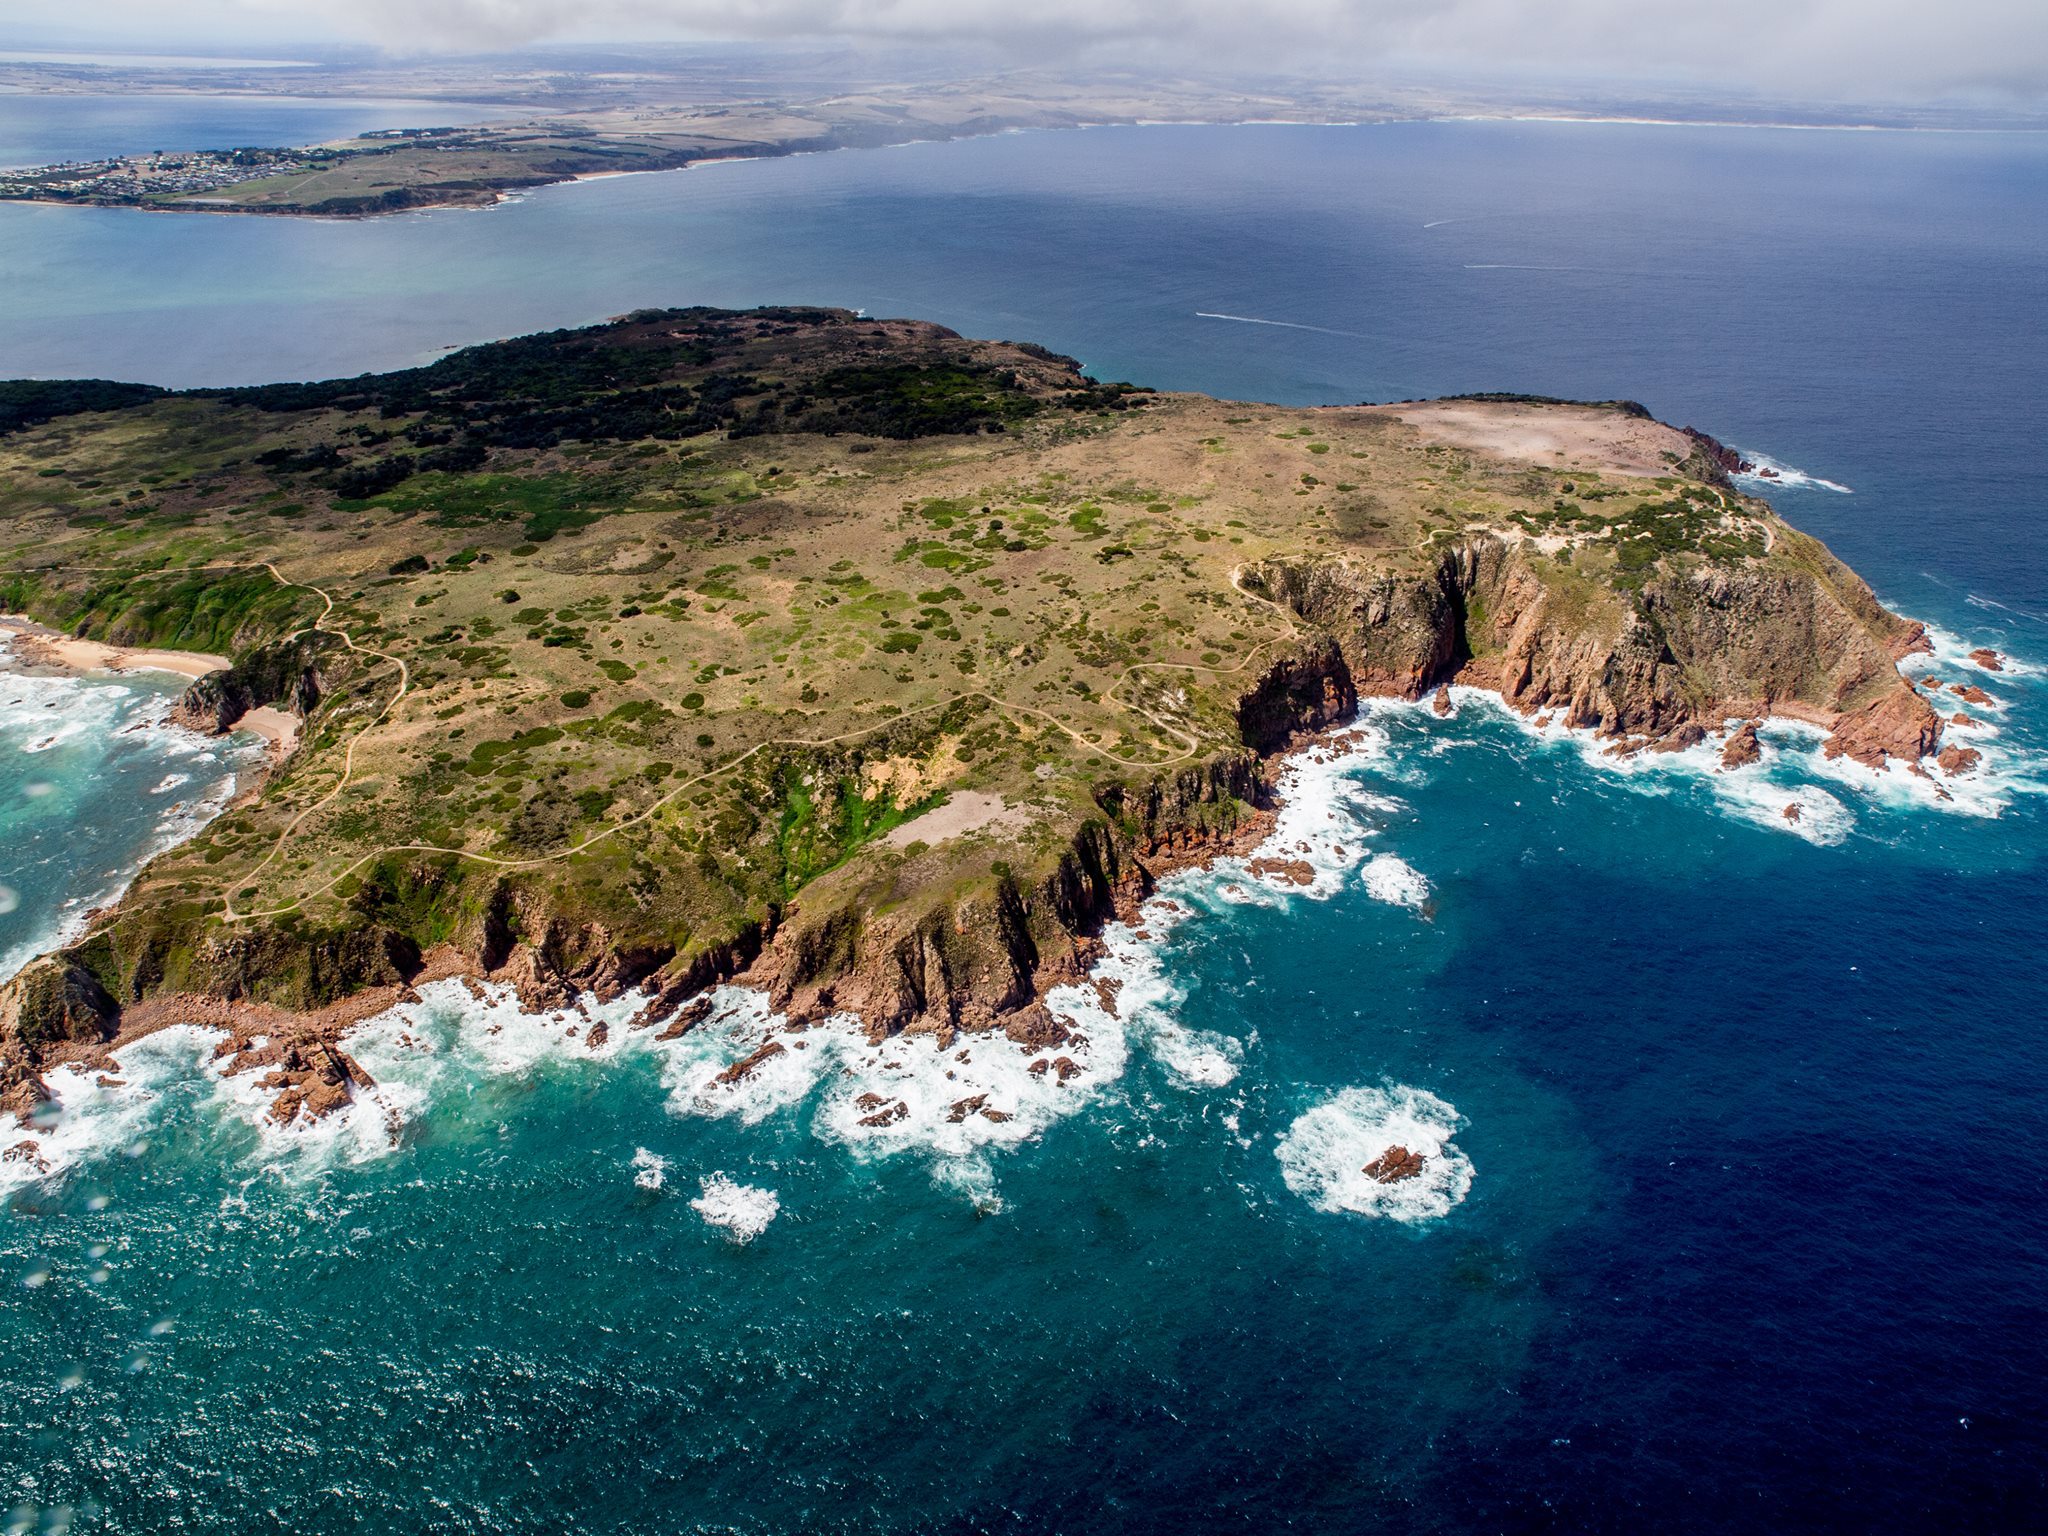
969,810
1553,436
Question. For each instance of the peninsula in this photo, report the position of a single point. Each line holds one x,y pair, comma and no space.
864,663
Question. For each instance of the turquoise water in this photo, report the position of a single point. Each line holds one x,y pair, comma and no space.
92,782
1734,1210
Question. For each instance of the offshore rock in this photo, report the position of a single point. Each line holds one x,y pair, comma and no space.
744,1068
1958,760
1394,1165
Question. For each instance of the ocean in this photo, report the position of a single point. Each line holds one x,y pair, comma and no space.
1735,1208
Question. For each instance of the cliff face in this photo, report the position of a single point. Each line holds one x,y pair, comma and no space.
981,959
1698,643
286,674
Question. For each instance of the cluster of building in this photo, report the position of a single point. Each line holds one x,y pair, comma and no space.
134,178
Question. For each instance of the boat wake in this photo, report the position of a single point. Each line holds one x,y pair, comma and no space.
1285,325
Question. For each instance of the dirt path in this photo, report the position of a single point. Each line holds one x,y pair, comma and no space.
1191,745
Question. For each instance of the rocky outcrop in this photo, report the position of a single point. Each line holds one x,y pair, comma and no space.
54,1000
748,1064
1307,691
50,1004
1741,748
981,958
1394,1165
286,675
1717,457
1697,642
1395,634
1899,725
1958,760
312,1077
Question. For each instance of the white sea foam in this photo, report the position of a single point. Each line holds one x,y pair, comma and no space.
417,1054
1320,834
1394,880
906,1093
650,1169
1951,654
92,1114
1323,1154
1793,771
1783,475
743,1210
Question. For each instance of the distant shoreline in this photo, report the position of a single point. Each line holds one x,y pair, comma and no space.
420,185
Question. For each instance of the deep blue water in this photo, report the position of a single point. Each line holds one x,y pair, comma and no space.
1753,1121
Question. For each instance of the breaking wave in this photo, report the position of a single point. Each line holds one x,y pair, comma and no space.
1768,472
1324,1154
742,1211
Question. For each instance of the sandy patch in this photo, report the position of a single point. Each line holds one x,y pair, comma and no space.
45,647
1554,436
969,810
278,727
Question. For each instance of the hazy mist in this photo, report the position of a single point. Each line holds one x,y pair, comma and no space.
1823,49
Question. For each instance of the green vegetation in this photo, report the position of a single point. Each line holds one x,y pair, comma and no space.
696,607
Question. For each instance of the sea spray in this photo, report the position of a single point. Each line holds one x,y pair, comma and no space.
650,1169
1325,1152
68,743
742,1211
1769,474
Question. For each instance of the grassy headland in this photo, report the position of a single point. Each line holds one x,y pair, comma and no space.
882,661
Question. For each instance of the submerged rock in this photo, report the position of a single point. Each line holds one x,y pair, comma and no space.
740,1070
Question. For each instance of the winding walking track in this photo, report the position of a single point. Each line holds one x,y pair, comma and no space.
1191,746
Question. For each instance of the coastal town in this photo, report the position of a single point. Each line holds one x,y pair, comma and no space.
162,176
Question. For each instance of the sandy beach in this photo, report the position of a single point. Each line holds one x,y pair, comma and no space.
278,727
38,645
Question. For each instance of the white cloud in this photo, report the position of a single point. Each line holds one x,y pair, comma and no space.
1830,47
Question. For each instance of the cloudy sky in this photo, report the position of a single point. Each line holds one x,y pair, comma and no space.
1824,49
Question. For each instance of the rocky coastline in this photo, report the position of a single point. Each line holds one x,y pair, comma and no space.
1698,650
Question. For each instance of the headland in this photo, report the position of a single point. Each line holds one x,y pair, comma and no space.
866,664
